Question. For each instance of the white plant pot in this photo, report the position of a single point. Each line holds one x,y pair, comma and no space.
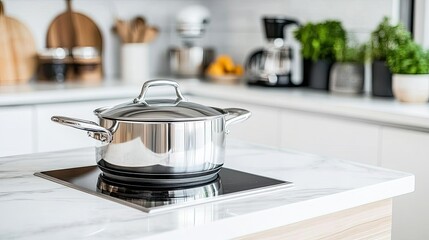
411,88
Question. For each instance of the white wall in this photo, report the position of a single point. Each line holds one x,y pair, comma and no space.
235,27
421,26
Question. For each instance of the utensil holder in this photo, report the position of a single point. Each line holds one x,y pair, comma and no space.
135,62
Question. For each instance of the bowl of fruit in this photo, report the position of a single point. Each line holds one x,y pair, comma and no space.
223,70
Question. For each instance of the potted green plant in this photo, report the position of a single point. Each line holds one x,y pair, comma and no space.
320,43
347,73
386,37
410,67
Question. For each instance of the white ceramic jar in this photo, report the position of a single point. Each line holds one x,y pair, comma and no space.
411,88
135,62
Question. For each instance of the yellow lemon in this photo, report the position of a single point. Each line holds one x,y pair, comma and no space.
226,62
215,70
238,70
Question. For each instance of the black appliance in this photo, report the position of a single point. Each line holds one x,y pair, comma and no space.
272,65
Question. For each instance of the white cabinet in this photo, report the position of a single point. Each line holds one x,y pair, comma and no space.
17,130
329,136
53,137
408,151
261,128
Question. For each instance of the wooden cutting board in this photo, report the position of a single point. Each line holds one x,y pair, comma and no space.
71,29
18,56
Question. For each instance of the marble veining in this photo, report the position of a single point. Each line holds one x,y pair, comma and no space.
35,208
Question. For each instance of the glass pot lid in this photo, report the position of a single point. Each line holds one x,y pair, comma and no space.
159,110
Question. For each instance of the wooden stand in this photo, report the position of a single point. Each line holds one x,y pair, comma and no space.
71,29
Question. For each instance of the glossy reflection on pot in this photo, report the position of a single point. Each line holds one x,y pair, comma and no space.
151,197
176,147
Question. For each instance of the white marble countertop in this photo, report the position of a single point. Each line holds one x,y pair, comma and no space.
35,208
385,111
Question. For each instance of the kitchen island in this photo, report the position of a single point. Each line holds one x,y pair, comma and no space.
330,197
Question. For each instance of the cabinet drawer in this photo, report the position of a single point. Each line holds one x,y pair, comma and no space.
17,132
330,136
261,128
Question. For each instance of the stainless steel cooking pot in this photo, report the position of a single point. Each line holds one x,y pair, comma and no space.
160,138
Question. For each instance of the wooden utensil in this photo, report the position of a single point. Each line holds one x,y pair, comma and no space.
135,31
18,56
150,34
135,28
140,24
121,28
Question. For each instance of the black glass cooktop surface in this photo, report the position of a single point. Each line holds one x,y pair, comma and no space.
227,184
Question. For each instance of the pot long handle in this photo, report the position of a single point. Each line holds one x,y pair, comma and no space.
238,114
94,130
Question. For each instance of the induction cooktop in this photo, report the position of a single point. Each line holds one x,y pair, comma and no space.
228,184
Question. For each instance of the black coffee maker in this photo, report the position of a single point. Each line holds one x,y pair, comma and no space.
272,65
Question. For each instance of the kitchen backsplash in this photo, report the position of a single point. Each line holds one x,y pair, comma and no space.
235,27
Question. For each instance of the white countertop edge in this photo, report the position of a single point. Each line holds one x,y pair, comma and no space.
70,95
292,213
360,108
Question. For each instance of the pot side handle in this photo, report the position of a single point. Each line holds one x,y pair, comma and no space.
94,130
238,115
